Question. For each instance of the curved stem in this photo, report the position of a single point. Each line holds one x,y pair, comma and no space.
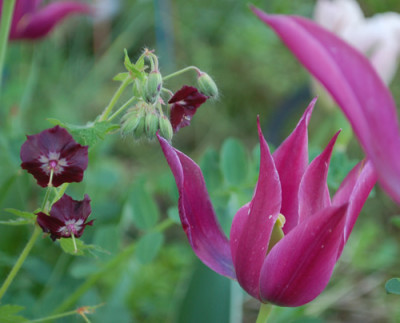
114,99
6,18
122,108
263,314
189,68
20,260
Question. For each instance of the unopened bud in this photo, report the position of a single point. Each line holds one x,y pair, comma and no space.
166,128
140,128
207,85
151,124
153,87
131,120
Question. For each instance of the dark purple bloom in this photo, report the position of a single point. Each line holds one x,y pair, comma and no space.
31,21
67,217
184,105
54,152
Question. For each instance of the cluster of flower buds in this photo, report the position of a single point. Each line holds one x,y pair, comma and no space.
151,114
53,157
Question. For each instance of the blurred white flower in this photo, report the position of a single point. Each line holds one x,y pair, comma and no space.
378,37
106,9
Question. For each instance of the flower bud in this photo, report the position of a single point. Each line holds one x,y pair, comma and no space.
140,129
153,86
166,128
131,120
151,124
207,85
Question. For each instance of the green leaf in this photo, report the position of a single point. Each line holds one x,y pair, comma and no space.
8,314
17,222
392,286
136,70
145,209
173,214
22,214
209,165
121,77
234,163
90,134
395,220
67,246
148,246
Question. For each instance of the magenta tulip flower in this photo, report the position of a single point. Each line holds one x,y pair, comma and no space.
32,21
293,270
352,81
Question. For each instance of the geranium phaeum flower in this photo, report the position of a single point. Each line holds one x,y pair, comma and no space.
54,154
295,269
32,21
184,105
376,37
67,217
354,84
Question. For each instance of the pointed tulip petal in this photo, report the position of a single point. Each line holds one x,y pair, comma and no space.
38,24
197,214
314,192
356,87
255,231
294,152
298,267
354,190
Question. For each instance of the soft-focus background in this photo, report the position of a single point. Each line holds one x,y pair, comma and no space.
68,76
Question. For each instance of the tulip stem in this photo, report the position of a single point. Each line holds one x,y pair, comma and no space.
114,99
20,260
263,314
181,72
6,18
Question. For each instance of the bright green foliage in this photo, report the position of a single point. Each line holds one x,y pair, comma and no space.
9,314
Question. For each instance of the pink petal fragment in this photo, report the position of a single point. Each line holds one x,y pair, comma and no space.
255,231
38,24
354,190
354,84
291,160
197,214
298,267
314,192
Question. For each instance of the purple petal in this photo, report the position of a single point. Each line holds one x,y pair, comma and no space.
250,240
354,84
38,23
298,267
197,214
314,192
291,160
354,190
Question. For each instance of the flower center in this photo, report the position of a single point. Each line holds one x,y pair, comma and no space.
53,162
71,227
277,232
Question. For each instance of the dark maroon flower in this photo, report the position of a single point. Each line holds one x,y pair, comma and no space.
184,105
54,152
67,217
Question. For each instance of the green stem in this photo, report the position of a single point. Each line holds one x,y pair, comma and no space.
122,108
20,260
6,18
53,317
263,314
114,99
189,68
114,262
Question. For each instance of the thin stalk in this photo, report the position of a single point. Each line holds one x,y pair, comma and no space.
114,99
263,314
54,317
20,261
46,200
189,68
6,18
122,108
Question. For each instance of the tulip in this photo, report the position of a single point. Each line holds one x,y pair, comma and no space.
31,21
356,87
376,37
289,265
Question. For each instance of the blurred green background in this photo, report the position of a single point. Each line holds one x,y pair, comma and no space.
68,76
